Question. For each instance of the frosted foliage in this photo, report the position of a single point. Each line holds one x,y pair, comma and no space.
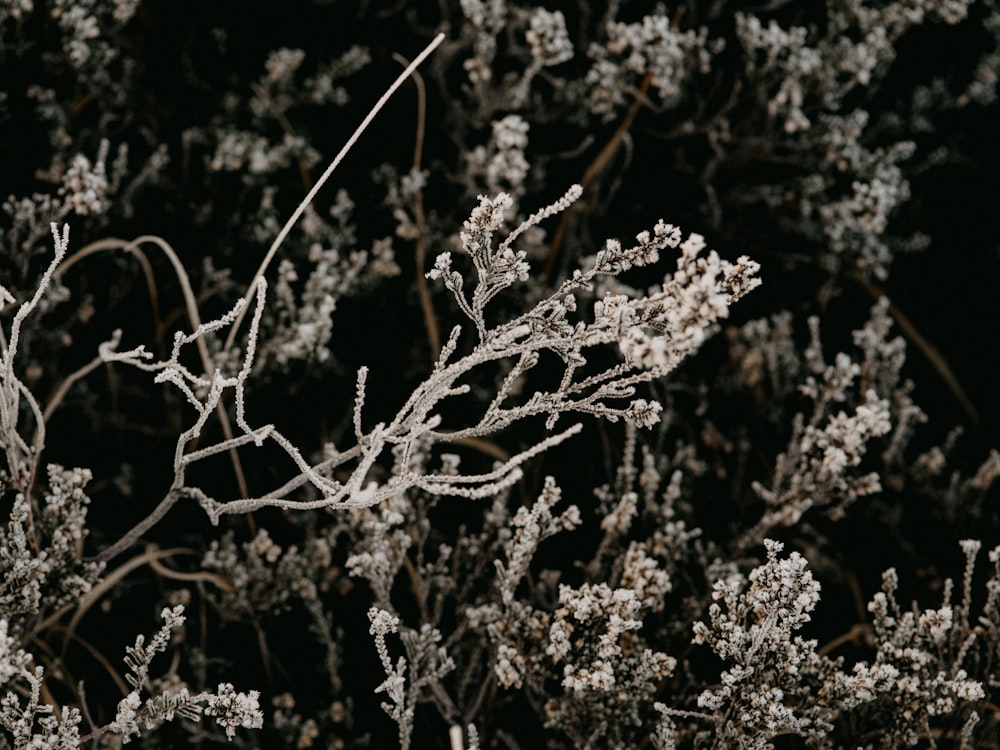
650,48
230,708
454,455
548,38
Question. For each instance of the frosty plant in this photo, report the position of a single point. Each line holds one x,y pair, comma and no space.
654,332
230,709
679,574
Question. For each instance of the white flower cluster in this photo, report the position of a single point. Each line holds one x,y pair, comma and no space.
684,310
903,14
85,186
257,156
513,626
501,165
426,661
820,467
805,71
230,708
322,88
643,575
262,575
282,64
16,9
86,23
918,671
299,323
497,268
764,691
808,77
619,520
777,683
13,659
608,671
487,18
783,50
614,260
592,635
305,329
765,353
548,44
278,90
35,725
41,564
510,666
985,81
884,354
854,219
239,150
841,443
651,47
379,548
816,469
548,38
854,224
531,527
234,710
382,622
485,14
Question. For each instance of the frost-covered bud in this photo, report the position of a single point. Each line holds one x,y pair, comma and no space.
233,710
382,622
645,413
548,37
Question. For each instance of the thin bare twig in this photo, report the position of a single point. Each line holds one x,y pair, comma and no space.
300,209
420,250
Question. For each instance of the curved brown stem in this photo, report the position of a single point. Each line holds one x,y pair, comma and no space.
931,352
597,166
420,249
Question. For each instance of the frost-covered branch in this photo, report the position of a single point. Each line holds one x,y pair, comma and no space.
654,332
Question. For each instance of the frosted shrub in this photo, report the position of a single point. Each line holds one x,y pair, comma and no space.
474,449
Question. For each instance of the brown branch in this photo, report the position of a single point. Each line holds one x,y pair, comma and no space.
420,249
931,352
598,165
